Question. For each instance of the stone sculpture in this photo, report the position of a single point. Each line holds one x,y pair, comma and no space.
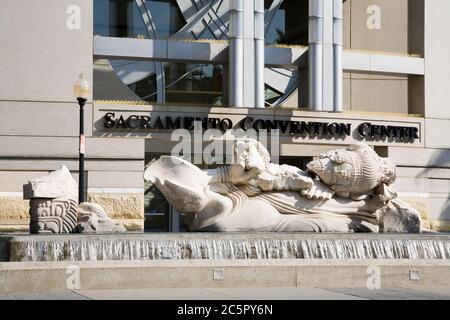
92,218
346,190
53,215
54,208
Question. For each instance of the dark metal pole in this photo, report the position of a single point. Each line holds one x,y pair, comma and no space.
81,197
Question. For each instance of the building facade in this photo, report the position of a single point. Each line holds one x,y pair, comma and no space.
325,73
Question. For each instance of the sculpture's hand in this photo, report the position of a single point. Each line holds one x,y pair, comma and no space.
283,177
319,191
238,175
250,159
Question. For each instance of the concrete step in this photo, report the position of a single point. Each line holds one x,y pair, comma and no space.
329,274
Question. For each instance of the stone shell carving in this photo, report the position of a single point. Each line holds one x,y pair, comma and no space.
53,216
353,171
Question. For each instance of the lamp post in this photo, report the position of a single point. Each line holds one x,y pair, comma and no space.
82,92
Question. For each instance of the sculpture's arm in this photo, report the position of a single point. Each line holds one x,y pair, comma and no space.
274,178
319,191
234,174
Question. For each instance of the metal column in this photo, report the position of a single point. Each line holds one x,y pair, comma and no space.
259,54
338,46
325,55
315,54
246,63
236,52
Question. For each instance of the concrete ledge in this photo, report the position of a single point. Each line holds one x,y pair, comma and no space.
55,276
217,52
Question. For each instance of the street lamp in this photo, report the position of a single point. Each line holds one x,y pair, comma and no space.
82,92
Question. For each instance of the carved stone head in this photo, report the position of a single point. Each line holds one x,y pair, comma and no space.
353,171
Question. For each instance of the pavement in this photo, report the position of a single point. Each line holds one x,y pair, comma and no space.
431,293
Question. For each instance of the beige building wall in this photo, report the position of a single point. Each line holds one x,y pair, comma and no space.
424,174
41,57
436,106
380,26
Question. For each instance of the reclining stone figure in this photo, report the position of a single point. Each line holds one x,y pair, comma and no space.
345,190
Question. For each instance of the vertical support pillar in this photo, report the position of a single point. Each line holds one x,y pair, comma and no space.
338,44
325,55
246,63
259,54
236,54
249,54
328,57
315,56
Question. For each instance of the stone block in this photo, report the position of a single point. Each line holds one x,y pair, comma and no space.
57,184
53,216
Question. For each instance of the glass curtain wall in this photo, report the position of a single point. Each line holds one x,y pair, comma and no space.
286,24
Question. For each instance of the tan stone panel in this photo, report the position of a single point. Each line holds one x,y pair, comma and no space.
41,57
347,23
393,34
420,157
32,119
118,179
347,94
437,133
439,208
416,87
293,150
51,165
120,205
377,76
14,146
12,181
437,52
380,95
61,147
439,186
418,172
418,185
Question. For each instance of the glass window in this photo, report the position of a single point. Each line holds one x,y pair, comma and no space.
287,22
203,84
161,19
183,83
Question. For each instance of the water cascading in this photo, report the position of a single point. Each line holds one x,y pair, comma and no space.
232,249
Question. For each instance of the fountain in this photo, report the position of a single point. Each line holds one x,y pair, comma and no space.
230,246
265,224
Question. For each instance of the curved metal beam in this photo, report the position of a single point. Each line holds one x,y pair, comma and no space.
159,68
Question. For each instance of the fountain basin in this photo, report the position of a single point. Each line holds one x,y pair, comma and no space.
223,246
